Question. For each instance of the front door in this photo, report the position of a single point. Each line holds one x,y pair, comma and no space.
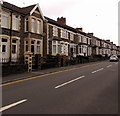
4,50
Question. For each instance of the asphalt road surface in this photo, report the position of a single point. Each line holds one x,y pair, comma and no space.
90,89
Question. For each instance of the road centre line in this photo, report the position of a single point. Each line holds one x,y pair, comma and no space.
61,85
30,78
98,70
12,105
109,66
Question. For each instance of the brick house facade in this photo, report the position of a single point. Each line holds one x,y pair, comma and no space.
27,29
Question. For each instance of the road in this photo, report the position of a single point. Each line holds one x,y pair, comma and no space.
90,89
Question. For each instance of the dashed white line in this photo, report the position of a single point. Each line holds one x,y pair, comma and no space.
109,66
61,85
98,70
12,105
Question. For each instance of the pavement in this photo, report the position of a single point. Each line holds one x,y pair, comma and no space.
82,89
19,76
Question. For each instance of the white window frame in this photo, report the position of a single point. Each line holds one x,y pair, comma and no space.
74,47
38,26
57,45
38,46
3,23
55,31
84,39
71,36
26,24
33,25
33,44
15,22
14,44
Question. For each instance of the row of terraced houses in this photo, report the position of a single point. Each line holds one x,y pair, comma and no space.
27,29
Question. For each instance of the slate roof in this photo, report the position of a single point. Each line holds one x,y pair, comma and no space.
60,24
24,10
65,26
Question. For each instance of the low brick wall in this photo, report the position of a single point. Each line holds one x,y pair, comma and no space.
13,69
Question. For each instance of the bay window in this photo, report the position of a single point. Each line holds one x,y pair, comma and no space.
33,25
14,46
56,47
26,25
33,46
38,26
38,47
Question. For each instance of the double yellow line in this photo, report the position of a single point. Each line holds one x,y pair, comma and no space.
30,78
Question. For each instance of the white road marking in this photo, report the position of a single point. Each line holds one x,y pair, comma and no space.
12,105
69,82
98,70
109,66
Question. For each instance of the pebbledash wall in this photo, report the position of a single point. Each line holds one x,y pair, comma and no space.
27,29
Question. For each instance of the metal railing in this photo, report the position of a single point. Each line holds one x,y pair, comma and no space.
13,61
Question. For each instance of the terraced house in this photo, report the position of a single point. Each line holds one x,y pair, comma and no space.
28,30
84,43
22,31
60,38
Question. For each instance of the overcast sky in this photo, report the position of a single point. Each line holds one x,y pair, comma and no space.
97,16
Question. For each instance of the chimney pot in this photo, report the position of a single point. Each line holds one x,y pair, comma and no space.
61,20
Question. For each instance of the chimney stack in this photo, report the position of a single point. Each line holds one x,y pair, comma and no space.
108,40
80,29
61,20
91,34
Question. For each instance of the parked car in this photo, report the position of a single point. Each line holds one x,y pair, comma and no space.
114,58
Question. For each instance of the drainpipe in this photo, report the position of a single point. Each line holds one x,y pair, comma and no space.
10,37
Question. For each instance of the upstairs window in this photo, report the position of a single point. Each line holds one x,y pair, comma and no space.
26,25
33,25
64,34
84,40
79,38
67,35
15,22
71,37
55,31
5,19
38,26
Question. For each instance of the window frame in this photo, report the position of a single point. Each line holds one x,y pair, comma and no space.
33,25
15,22
38,25
26,24
3,14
